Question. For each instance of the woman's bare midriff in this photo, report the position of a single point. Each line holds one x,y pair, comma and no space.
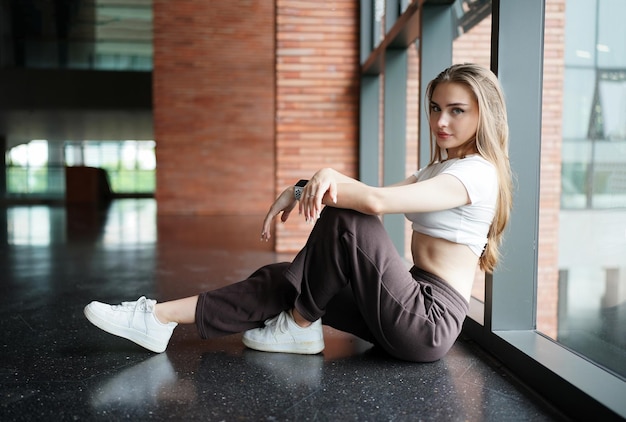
453,262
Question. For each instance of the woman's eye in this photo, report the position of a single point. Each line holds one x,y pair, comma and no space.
458,111
434,107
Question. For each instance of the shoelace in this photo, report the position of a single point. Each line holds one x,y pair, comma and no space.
141,304
279,323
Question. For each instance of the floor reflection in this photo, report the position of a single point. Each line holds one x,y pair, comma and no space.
124,221
30,225
130,222
147,383
57,366
289,370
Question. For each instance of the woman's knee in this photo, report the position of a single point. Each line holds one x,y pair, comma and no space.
348,216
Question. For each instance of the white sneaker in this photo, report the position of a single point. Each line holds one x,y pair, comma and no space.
282,334
134,321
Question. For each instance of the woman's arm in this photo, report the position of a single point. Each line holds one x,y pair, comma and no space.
322,189
441,192
329,187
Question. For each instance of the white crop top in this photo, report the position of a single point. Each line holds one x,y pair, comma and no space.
467,224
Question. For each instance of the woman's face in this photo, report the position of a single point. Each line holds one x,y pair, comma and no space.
453,116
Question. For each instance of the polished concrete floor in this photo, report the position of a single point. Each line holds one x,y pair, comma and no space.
58,367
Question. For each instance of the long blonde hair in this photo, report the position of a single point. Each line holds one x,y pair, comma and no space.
491,142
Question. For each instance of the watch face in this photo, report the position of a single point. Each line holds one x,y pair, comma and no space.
298,192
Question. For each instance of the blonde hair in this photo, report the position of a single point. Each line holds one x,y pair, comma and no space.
491,141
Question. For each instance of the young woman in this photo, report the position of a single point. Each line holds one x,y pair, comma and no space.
349,275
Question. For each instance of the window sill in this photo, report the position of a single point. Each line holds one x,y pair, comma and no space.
576,386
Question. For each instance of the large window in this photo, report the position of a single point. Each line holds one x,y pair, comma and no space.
554,311
590,295
29,175
130,165
33,171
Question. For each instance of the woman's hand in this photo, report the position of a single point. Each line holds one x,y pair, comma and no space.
324,182
322,185
285,202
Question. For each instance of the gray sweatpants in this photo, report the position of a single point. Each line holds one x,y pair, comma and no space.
350,275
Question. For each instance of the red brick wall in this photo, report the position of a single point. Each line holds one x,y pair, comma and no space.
550,182
249,97
213,87
317,91
474,46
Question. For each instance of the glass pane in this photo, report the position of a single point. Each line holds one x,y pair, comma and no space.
379,22
96,34
578,92
473,24
130,165
581,296
30,175
580,16
473,45
611,48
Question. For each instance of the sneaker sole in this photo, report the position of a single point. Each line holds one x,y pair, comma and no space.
302,348
124,332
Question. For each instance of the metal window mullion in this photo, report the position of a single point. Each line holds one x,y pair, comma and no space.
392,12
435,54
394,139
369,129
367,29
519,60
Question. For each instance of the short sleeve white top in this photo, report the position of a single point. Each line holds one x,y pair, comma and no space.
468,224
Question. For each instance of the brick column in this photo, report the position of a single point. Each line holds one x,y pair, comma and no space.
317,92
213,87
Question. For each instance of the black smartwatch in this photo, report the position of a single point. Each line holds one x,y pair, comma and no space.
298,188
